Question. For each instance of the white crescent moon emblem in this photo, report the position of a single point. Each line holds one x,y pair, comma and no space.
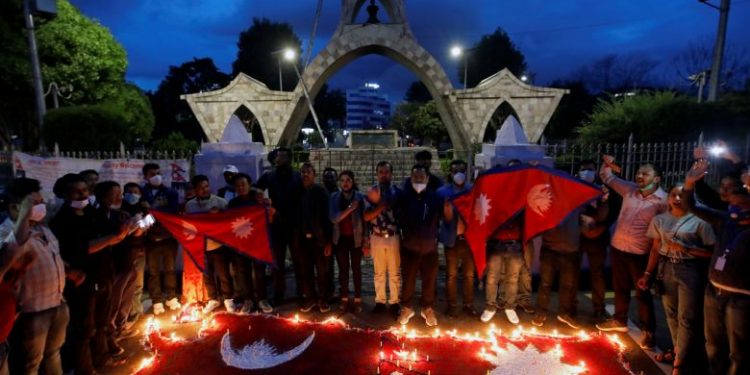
189,230
259,354
540,198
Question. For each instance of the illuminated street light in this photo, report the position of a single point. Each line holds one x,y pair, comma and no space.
524,78
456,51
291,56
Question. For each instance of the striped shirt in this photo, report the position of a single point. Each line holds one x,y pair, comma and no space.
41,287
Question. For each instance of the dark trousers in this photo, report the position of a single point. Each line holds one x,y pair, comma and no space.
281,238
103,334
217,278
162,253
123,291
427,266
727,327
36,341
569,267
77,349
249,277
627,268
345,251
596,252
459,253
313,265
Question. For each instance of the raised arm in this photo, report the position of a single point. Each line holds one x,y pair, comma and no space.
617,184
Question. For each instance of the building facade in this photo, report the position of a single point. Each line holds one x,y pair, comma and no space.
367,108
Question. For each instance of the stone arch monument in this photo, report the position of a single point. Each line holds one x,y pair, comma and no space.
465,113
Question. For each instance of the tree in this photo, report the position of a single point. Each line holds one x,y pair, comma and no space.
417,93
491,54
427,123
330,105
174,114
174,142
136,111
613,73
258,53
573,109
87,128
697,57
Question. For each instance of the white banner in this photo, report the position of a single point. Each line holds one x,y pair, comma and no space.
48,170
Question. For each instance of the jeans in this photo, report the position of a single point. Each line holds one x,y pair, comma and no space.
37,339
460,252
727,327
249,278
345,251
569,266
123,290
137,306
164,252
508,261
684,284
77,349
426,265
281,238
627,268
596,251
386,259
217,278
524,278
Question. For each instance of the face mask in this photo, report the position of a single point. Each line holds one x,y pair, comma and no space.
131,199
459,178
587,175
79,204
648,187
115,206
419,187
738,214
38,212
155,180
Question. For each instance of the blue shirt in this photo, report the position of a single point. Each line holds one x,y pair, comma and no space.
448,230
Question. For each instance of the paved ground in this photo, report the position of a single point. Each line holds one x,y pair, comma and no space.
640,360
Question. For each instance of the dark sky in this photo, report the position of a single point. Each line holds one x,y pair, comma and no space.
555,36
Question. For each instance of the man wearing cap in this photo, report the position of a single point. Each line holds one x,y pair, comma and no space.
227,192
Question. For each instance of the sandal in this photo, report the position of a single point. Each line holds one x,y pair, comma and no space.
666,357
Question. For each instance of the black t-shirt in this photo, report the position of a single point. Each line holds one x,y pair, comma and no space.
283,187
74,232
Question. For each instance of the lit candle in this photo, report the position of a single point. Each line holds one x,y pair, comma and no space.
398,363
428,358
410,367
382,356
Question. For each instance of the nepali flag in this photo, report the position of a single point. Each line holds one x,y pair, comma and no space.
544,195
243,229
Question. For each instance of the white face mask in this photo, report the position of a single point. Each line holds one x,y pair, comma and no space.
155,180
38,212
115,206
419,187
459,178
587,175
79,204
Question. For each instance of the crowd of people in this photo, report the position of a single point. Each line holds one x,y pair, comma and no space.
73,270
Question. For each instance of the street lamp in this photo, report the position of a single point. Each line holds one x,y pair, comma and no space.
718,53
456,53
287,54
290,56
58,91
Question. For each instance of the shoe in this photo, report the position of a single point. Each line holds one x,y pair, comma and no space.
158,308
512,316
394,309
357,306
307,306
527,307
246,307
210,306
539,320
174,304
569,320
470,311
344,304
406,314
230,306
379,308
488,313
612,325
428,315
647,341
265,307
324,306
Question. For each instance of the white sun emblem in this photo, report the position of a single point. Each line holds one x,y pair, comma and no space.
512,360
242,227
540,199
189,230
482,208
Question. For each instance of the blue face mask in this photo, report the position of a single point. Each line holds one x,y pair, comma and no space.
736,213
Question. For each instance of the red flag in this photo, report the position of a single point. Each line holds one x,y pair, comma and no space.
551,197
546,195
243,229
495,198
